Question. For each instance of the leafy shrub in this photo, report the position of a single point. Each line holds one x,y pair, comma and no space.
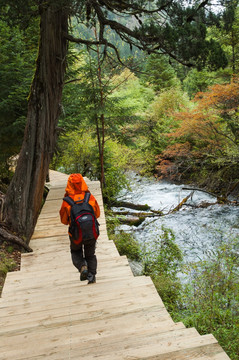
163,265
127,245
115,181
210,301
166,257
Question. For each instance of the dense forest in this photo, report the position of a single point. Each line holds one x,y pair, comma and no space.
103,87
135,110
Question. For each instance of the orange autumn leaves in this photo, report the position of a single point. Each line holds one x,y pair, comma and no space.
207,130
211,124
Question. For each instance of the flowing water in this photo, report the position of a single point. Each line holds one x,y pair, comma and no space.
197,230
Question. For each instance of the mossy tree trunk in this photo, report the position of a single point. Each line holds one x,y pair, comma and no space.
25,193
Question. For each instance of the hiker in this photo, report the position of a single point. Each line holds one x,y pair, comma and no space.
82,250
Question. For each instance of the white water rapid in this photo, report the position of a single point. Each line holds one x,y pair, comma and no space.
197,230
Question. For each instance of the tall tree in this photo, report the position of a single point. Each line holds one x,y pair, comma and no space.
24,195
231,31
175,28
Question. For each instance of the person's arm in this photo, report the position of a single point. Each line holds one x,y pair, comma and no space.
93,202
64,213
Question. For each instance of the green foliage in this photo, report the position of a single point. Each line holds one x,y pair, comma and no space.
78,153
127,245
210,300
116,161
228,37
115,180
158,121
6,264
159,74
111,220
166,258
130,99
163,265
18,52
10,249
198,81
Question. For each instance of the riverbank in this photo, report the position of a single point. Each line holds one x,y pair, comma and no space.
221,180
197,228
190,255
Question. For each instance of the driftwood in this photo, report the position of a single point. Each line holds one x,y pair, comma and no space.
221,199
182,202
139,214
7,236
135,219
198,189
130,205
131,221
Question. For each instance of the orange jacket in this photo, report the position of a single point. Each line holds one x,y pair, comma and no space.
76,188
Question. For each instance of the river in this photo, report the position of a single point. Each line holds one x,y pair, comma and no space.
197,231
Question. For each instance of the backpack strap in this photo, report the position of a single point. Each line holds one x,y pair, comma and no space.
69,200
87,196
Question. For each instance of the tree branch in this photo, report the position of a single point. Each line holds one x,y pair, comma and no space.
130,9
7,236
91,42
198,189
178,207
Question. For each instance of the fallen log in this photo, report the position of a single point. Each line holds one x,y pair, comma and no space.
221,199
182,202
198,189
131,221
139,214
130,205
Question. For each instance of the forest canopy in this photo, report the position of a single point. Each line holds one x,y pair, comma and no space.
172,50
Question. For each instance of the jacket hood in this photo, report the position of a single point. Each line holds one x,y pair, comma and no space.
76,184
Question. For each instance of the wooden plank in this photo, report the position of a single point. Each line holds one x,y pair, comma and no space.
133,347
138,322
68,317
60,340
36,288
77,289
64,260
205,352
109,262
52,278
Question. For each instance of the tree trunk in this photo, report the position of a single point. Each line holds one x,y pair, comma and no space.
24,196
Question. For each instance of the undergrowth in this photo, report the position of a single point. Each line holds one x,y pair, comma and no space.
209,300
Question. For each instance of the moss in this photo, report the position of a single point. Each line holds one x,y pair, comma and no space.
7,264
127,245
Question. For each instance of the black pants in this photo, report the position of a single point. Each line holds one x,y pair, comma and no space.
85,255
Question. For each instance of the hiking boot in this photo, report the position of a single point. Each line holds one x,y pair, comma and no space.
83,273
91,278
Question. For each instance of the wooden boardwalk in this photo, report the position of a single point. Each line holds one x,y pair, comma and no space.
47,313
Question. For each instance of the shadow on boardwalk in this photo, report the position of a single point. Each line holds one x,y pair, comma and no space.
47,313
